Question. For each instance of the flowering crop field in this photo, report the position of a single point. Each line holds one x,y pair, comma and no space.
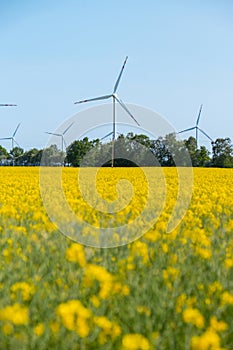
162,291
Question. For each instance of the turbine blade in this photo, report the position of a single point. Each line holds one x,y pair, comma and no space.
51,133
95,99
199,114
204,133
16,130
16,143
5,138
126,109
119,77
67,128
102,138
6,105
189,129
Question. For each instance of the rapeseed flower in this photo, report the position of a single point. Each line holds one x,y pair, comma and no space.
209,340
135,342
16,313
39,329
75,317
194,317
76,253
26,289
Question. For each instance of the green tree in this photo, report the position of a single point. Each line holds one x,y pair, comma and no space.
4,155
78,149
203,156
199,157
31,157
176,152
222,153
52,156
191,145
159,150
16,152
3,152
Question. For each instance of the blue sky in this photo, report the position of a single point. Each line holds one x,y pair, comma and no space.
54,53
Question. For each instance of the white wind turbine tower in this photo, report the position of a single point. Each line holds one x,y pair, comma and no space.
196,127
13,141
115,98
63,143
12,138
6,105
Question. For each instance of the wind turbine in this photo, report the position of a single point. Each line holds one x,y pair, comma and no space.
6,105
63,143
110,133
196,127
12,138
115,98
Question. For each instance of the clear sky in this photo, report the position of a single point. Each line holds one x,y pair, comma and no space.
56,52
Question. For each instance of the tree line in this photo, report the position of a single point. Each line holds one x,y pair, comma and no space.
130,150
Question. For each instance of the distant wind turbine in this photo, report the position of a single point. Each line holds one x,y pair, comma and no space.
115,98
110,133
63,143
6,105
12,138
196,127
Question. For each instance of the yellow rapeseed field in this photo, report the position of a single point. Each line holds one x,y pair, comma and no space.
162,291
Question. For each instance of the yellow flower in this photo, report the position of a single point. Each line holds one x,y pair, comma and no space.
207,341
135,342
7,329
180,302
215,287
105,290
200,286
203,252
75,317
125,290
116,330
173,259
171,273
227,298
27,290
17,314
95,300
102,338
107,283
140,249
83,328
152,236
217,326
143,310
104,323
76,253
228,263
39,329
109,328
165,247
194,317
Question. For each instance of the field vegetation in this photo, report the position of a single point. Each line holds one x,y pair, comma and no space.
162,291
